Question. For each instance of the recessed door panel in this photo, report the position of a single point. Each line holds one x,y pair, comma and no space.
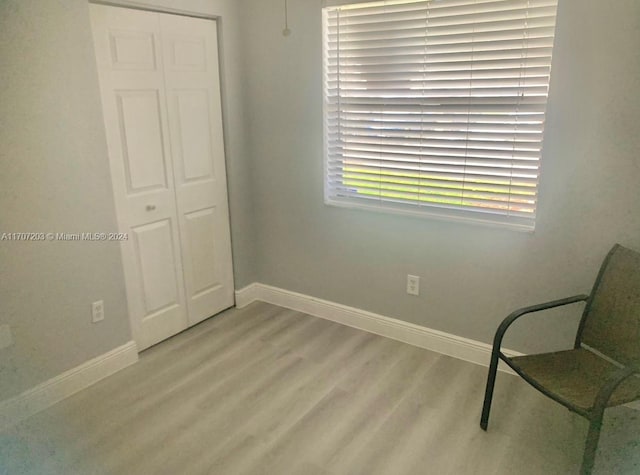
157,264
142,142
132,50
200,232
188,54
194,134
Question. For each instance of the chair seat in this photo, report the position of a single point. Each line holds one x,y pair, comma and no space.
575,376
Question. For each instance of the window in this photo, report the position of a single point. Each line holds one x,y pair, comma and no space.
437,107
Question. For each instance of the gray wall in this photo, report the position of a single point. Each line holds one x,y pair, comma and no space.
472,276
55,178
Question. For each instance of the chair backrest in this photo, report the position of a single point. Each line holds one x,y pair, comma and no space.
611,320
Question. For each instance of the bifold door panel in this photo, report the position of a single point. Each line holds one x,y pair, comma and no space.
159,81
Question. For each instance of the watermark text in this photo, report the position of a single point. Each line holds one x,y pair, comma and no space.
24,236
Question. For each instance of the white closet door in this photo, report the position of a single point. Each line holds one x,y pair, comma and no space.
131,56
190,53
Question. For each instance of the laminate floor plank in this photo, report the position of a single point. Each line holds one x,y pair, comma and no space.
266,390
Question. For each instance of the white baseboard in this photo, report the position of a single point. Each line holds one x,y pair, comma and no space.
40,397
423,337
247,295
444,343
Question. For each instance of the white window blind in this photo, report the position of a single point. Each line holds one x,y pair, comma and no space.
437,107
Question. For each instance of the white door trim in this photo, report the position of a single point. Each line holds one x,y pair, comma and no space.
133,5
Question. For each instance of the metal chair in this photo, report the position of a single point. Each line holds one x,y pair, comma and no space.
603,368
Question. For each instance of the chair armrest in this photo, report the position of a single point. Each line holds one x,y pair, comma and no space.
611,384
513,316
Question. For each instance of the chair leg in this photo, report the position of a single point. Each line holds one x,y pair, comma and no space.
488,394
591,445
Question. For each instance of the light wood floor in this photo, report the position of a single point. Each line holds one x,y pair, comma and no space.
264,390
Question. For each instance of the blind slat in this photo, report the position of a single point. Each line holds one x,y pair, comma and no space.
444,37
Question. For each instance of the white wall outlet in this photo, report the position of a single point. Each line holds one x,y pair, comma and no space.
97,311
413,284
6,340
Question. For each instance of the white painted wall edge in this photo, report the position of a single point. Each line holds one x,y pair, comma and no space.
46,394
423,337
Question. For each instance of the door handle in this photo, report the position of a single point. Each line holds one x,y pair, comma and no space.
151,207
